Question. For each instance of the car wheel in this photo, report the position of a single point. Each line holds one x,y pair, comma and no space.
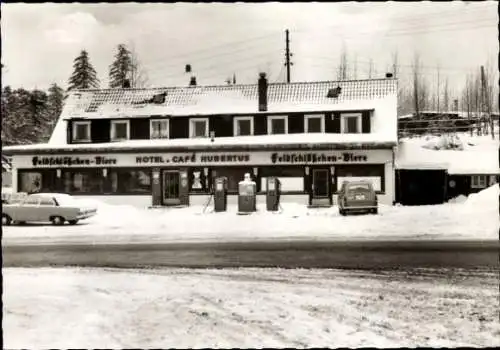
375,211
73,222
6,220
57,220
343,212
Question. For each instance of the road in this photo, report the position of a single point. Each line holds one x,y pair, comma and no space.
290,254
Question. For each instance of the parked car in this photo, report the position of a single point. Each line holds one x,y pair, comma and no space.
357,196
46,207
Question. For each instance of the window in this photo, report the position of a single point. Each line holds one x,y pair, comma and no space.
291,178
37,181
30,182
243,126
478,181
81,131
159,129
198,182
277,125
314,123
83,181
371,172
46,201
127,181
198,127
120,130
234,176
32,200
350,123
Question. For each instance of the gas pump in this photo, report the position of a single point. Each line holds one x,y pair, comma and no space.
220,194
273,192
247,201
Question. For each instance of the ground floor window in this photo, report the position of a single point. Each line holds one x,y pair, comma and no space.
35,181
83,181
291,178
198,181
130,181
370,172
479,181
233,175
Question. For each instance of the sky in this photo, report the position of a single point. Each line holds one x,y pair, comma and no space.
40,41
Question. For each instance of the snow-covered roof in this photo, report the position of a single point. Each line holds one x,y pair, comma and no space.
226,99
479,159
311,140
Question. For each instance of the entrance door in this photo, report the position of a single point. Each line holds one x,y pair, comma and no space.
171,187
320,183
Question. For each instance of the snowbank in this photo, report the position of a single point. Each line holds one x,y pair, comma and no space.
476,218
485,198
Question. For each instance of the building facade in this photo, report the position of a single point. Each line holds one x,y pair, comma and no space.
165,146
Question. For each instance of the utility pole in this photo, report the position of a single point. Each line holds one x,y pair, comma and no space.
288,64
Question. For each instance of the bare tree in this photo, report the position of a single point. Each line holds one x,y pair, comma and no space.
370,69
438,94
138,75
343,69
355,68
446,97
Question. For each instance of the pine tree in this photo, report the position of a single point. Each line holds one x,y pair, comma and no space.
55,100
121,69
84,75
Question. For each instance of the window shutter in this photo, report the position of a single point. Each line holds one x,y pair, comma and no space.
365,122
336,123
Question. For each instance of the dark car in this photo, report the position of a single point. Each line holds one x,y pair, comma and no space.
357,196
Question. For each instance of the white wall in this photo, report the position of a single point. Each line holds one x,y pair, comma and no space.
385,118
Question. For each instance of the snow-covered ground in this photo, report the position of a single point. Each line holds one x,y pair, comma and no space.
248,308
475,217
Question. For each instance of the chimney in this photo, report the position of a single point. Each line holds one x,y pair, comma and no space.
126,84
192,82
262,86
388,75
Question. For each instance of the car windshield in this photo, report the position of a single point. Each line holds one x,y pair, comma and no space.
359,187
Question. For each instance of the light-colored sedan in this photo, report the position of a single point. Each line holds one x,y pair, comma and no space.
46,207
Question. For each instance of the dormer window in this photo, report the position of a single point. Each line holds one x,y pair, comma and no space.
335,92
81,131
120,130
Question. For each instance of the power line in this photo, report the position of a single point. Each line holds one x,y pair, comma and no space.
167,63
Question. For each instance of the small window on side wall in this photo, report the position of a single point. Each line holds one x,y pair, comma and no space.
81,131
120,130
478,181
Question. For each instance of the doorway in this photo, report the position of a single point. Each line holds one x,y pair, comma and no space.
171,187
320,184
